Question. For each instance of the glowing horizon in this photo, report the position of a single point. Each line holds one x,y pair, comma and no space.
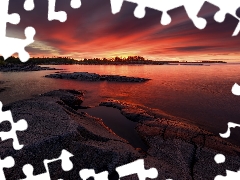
91,32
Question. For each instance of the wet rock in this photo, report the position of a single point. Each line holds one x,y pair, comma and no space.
131,112
85,76
178,149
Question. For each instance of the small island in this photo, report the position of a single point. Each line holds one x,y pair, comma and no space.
85,76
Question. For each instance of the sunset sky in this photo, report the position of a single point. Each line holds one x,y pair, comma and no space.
93,31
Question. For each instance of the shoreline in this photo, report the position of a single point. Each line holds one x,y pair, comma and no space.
24,68
178,150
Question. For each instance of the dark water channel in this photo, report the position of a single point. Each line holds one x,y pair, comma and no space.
118,123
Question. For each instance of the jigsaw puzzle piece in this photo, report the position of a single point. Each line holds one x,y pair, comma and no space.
21,125
230,125
87,173
192,8
56,171
227,7
137,167
53,15
5,17
8,162
9,46
28,171
140,12
230,175
66,165
17,45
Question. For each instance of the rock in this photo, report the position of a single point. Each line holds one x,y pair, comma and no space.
71,98
2,89
178,149
85,76
18,68
52,126
131,112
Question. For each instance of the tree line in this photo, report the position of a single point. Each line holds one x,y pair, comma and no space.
92,61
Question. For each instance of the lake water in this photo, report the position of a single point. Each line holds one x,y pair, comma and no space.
201,94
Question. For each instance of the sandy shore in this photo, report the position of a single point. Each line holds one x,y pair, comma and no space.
178,150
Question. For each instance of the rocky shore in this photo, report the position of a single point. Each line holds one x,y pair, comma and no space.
19,68
178,150
85,76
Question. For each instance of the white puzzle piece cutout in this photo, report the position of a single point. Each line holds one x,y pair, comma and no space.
137,167
87,173
9,46
8,162
231,175
192,8
230,125
21,125
67,165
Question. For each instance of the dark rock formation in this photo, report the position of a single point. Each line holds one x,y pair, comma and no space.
178,150
85,76
181,150
54,125
19,68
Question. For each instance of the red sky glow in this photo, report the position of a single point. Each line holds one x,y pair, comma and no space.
93,31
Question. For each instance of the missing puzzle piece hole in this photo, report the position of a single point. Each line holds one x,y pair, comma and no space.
29,33
219,17
166,19
28,169
75,4
29,5
139,12
219,158
14,18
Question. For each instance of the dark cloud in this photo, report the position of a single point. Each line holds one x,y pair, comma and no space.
191,48
95,31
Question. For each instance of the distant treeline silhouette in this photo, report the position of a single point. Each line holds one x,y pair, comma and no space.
95,61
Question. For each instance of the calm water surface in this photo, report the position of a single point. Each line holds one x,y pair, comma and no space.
201,94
